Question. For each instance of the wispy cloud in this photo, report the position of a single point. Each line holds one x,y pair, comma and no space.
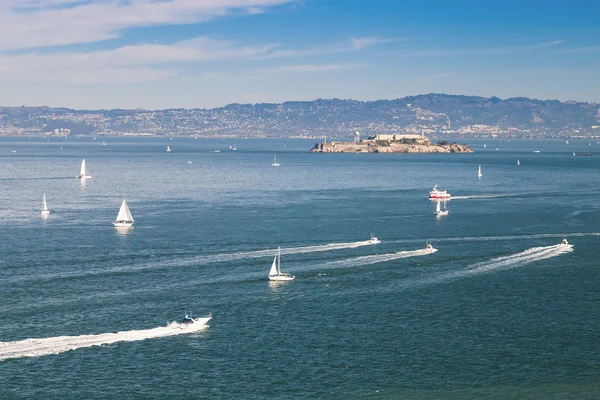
151,61
486,51
358,43
587,49
42,23
313,68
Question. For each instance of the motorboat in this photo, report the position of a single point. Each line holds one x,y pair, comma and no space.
374,239
190,319
438,194
564,242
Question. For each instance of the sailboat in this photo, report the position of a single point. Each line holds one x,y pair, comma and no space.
124,217
438,209
275,163
275,273
479,174
45,211
83,173
518,162
168,149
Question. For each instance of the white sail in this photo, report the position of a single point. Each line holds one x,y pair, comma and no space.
275,163
479,174
124,215
438,209
518,162
273,270
45,210
168,149
83,173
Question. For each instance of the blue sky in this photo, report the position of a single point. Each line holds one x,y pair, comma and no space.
208,53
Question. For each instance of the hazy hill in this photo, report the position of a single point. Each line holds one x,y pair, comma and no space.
431,114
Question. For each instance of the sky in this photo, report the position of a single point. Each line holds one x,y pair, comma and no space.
155,54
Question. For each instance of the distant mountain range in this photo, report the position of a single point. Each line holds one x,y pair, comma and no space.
431,114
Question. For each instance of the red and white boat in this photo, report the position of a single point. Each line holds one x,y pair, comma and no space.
436,194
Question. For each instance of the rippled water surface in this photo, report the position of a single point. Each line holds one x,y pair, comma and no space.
499,310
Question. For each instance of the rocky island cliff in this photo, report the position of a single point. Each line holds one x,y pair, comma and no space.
391,144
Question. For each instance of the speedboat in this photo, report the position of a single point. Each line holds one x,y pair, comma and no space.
190,320
536,151
428,246
374,239
564,242
438,194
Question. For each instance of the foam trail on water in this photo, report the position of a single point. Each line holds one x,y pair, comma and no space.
528,256
373,259
198,260
494,238
60,344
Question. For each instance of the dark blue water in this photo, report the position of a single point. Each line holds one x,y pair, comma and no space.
498,311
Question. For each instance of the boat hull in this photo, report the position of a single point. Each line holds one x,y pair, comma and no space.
84,177
281,278
196,324
122,224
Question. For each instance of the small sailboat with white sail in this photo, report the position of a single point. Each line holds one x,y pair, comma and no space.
83,172
275,163
518,162
479,174
45,210
438,209
275,273
168,149
124,218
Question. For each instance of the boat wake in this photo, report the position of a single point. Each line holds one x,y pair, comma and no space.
194,261
528,256
374,259
60,344
515,260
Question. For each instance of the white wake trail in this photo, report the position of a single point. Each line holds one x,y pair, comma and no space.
528,256
193,261
374,259
60,344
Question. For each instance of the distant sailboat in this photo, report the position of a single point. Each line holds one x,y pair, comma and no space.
168,149
518,162
83,172
124,218
275,163
275,273
479,174
45,210
566,142
438,209
484,145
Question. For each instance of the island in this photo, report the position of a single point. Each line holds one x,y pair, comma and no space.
386,143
